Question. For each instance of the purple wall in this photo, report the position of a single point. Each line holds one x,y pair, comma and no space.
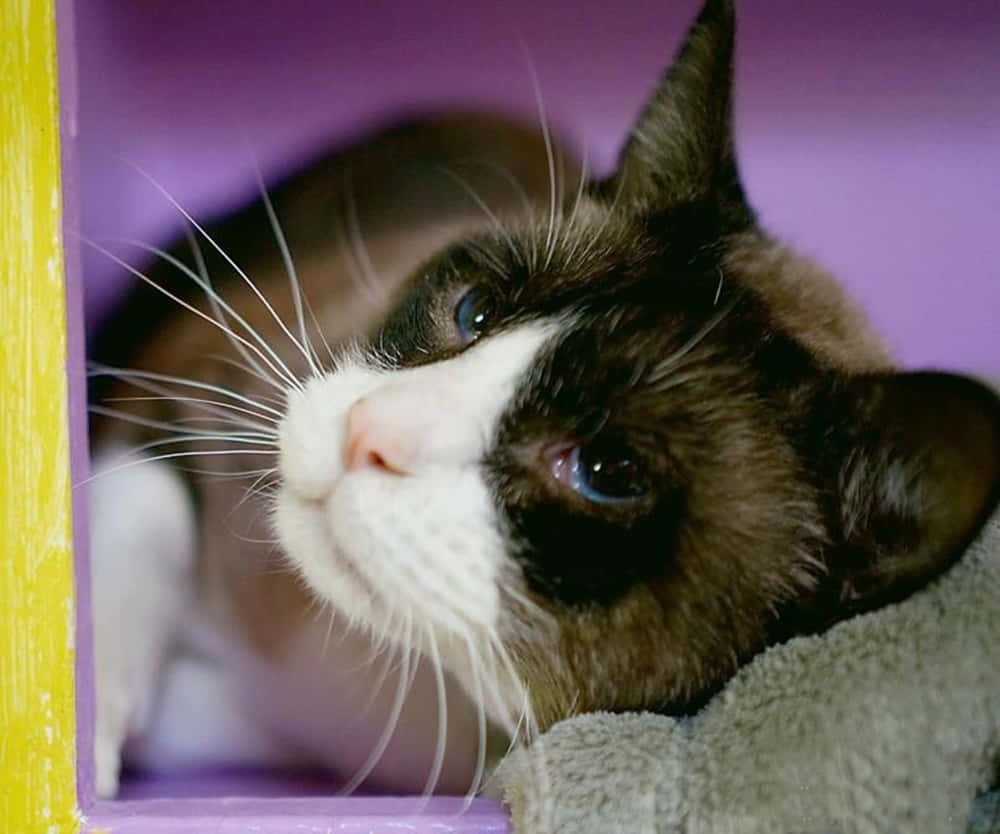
869,132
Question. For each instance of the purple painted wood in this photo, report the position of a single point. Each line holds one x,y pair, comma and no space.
77,390
869,133
387,815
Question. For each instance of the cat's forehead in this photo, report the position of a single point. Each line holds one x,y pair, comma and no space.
592,256
541,256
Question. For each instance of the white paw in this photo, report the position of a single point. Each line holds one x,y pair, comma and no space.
110,729
107,767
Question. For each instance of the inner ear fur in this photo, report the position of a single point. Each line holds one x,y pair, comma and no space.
918,476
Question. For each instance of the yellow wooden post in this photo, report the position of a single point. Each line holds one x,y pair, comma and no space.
37,723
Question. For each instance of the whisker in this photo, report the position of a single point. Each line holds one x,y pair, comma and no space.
199,401
499,227
574,212
331,620
441,742
203,281
213,300
225,256
227,473
319,329
135,419
286,374
129,374
671,362
527,718
286,258
609,213
204,438
257,488
250,371
359,252
477,778
508,176
549,155
172,456
407,675
391,652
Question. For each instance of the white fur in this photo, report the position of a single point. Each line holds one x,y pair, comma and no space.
418,546
142,545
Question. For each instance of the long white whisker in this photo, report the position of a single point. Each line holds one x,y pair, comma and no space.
391,651
216,412
549,155
474,196
236,476
171,456
129,374
225,255
256,488
672,361
408,671
358,250
478,695
527,713
286,374
319,330
441,742
213,300
595,238
252,370
223,437
568,225
203,281
135,419
293,277
508,175
200,401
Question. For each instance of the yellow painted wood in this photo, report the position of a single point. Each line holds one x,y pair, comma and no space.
37,725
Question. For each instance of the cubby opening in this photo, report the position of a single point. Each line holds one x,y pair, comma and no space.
853,134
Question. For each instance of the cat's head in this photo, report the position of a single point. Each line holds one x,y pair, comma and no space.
604,452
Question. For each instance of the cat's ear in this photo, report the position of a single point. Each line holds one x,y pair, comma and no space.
919,473
681,148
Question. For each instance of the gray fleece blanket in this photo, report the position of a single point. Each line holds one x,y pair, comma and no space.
889,723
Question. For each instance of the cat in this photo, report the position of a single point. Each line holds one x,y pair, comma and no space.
575,449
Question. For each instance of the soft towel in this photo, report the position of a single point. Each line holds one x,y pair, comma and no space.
888,723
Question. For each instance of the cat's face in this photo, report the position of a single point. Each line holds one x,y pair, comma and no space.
587,462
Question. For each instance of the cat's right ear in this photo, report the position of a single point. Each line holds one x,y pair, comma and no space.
917,474
680,149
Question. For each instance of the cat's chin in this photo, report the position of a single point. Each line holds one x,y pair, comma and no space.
398,594
302,526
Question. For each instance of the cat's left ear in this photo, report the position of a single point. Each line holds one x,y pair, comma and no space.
681,148
916,475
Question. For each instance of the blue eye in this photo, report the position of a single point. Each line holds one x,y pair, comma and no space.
473,313
602,471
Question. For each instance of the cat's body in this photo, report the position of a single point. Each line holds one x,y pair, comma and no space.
604,449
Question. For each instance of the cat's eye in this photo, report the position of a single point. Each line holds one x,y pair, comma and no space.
473,313
604,471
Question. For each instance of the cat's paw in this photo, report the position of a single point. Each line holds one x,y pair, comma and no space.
107,767
110,730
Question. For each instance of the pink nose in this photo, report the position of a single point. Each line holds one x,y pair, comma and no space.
373,441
